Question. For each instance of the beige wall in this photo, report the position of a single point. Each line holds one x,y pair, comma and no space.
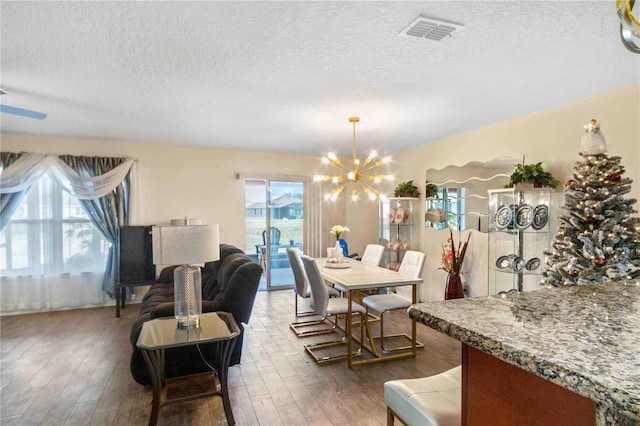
176,182
551,136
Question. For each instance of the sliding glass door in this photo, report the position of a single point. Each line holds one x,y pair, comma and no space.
274,222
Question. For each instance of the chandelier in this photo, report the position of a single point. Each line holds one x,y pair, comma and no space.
359,173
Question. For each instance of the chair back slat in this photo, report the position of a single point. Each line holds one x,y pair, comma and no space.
274,236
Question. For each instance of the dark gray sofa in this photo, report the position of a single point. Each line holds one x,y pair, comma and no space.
229,285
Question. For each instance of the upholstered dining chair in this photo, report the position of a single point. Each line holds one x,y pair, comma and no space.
372,254
301,290
411,265
324,307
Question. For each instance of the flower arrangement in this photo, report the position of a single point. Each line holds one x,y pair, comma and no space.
337,230
452,256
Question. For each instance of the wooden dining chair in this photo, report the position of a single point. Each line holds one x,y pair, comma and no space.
301,291
411,265
324,307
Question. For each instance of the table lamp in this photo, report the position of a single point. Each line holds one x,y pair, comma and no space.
184,246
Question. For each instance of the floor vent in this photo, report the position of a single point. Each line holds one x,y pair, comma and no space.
430,28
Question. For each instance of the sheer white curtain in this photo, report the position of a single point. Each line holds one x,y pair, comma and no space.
36,289
28,169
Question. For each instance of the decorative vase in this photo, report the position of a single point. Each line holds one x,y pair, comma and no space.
453,290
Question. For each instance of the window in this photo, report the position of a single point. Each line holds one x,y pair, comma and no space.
51,233
456,206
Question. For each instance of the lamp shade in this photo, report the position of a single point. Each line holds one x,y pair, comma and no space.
181,245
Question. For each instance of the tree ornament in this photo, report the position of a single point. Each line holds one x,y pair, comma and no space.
573,273
615,177
599,261
592,141
569,182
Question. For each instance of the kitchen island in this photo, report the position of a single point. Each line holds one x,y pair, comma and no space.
571,351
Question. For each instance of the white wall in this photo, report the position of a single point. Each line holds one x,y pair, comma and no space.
175,182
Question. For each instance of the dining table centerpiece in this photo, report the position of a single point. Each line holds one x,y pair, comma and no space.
337,252
338,230
452,259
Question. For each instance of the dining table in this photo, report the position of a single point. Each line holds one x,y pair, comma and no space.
353,276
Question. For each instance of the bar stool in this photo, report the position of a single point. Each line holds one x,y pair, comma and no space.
427,401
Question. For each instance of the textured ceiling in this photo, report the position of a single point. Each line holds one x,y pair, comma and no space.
285,76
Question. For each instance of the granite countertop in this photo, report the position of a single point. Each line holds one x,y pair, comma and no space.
583,338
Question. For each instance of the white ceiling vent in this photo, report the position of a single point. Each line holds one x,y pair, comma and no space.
433,29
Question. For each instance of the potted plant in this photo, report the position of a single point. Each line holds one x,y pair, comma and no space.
430,190
531,176
406,189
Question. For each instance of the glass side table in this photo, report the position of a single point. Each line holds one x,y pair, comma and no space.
162,333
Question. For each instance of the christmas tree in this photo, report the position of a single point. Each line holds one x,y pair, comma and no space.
597,239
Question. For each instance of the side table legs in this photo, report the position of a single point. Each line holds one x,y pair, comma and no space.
227,349
155,363
155,360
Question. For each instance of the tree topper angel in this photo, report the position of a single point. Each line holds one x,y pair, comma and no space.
592,141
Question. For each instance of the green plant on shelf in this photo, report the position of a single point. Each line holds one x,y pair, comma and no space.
532,174
430,190
406,189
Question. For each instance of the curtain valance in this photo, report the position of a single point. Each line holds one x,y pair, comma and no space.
27,169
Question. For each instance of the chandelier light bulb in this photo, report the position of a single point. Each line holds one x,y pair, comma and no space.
358,173
317,178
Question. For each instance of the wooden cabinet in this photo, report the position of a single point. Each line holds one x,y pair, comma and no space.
136,262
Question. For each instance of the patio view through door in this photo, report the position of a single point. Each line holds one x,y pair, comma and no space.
273,222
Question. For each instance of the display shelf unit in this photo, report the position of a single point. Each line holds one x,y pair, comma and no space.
397,229
519,234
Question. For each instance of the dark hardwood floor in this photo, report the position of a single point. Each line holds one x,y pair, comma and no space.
72,367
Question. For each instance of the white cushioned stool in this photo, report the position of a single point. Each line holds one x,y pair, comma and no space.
433,400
